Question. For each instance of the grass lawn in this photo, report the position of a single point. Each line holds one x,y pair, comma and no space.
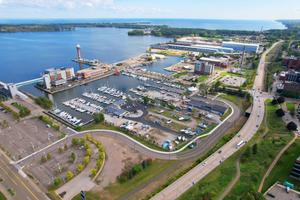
284,166
117,190
291,107
271,138
226,114
212,185
2,197
202,78
241,102
179,74
89,196
114,128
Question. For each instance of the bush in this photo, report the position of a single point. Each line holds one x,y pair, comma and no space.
99,118
75,141
49,156
72,157
93,172
291,126
43,159
280,112
136,169
44,102
80,168
86,160
23,111
69,175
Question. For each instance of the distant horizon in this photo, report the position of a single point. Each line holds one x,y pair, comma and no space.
183,18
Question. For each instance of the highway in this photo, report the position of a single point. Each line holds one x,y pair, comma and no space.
185,182
21,188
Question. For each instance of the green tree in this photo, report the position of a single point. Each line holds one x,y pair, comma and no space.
204,89
146,100
57,181
99,118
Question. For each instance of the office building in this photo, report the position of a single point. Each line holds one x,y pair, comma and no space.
204,68
292,63
56,77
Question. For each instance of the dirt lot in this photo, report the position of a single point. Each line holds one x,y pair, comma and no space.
19,139
118,156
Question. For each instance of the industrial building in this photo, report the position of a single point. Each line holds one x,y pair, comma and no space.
207,105
204,68
91,72
241,47
56,77
292,63
194,48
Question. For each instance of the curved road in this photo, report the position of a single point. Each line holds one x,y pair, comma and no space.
203,143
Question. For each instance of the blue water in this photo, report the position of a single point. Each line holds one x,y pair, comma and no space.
26,55
252,25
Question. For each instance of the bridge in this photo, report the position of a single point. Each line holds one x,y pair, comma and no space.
37,80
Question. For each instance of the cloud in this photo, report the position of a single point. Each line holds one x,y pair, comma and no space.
67,4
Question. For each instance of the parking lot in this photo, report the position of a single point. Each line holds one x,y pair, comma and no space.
234,81
19,139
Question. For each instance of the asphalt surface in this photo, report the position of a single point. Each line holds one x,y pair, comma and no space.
182,184
21,188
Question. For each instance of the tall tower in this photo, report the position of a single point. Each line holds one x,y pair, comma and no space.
78,52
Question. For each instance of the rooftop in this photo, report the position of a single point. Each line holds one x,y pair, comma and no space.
279,192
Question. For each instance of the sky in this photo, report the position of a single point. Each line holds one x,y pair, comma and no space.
198,9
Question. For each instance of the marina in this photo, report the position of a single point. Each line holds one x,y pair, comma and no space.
83,106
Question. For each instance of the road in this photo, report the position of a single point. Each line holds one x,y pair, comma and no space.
21,187
182,184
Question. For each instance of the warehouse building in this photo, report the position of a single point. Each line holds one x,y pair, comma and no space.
241,47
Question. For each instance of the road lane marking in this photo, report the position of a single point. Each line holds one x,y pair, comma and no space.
26,187
8,175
